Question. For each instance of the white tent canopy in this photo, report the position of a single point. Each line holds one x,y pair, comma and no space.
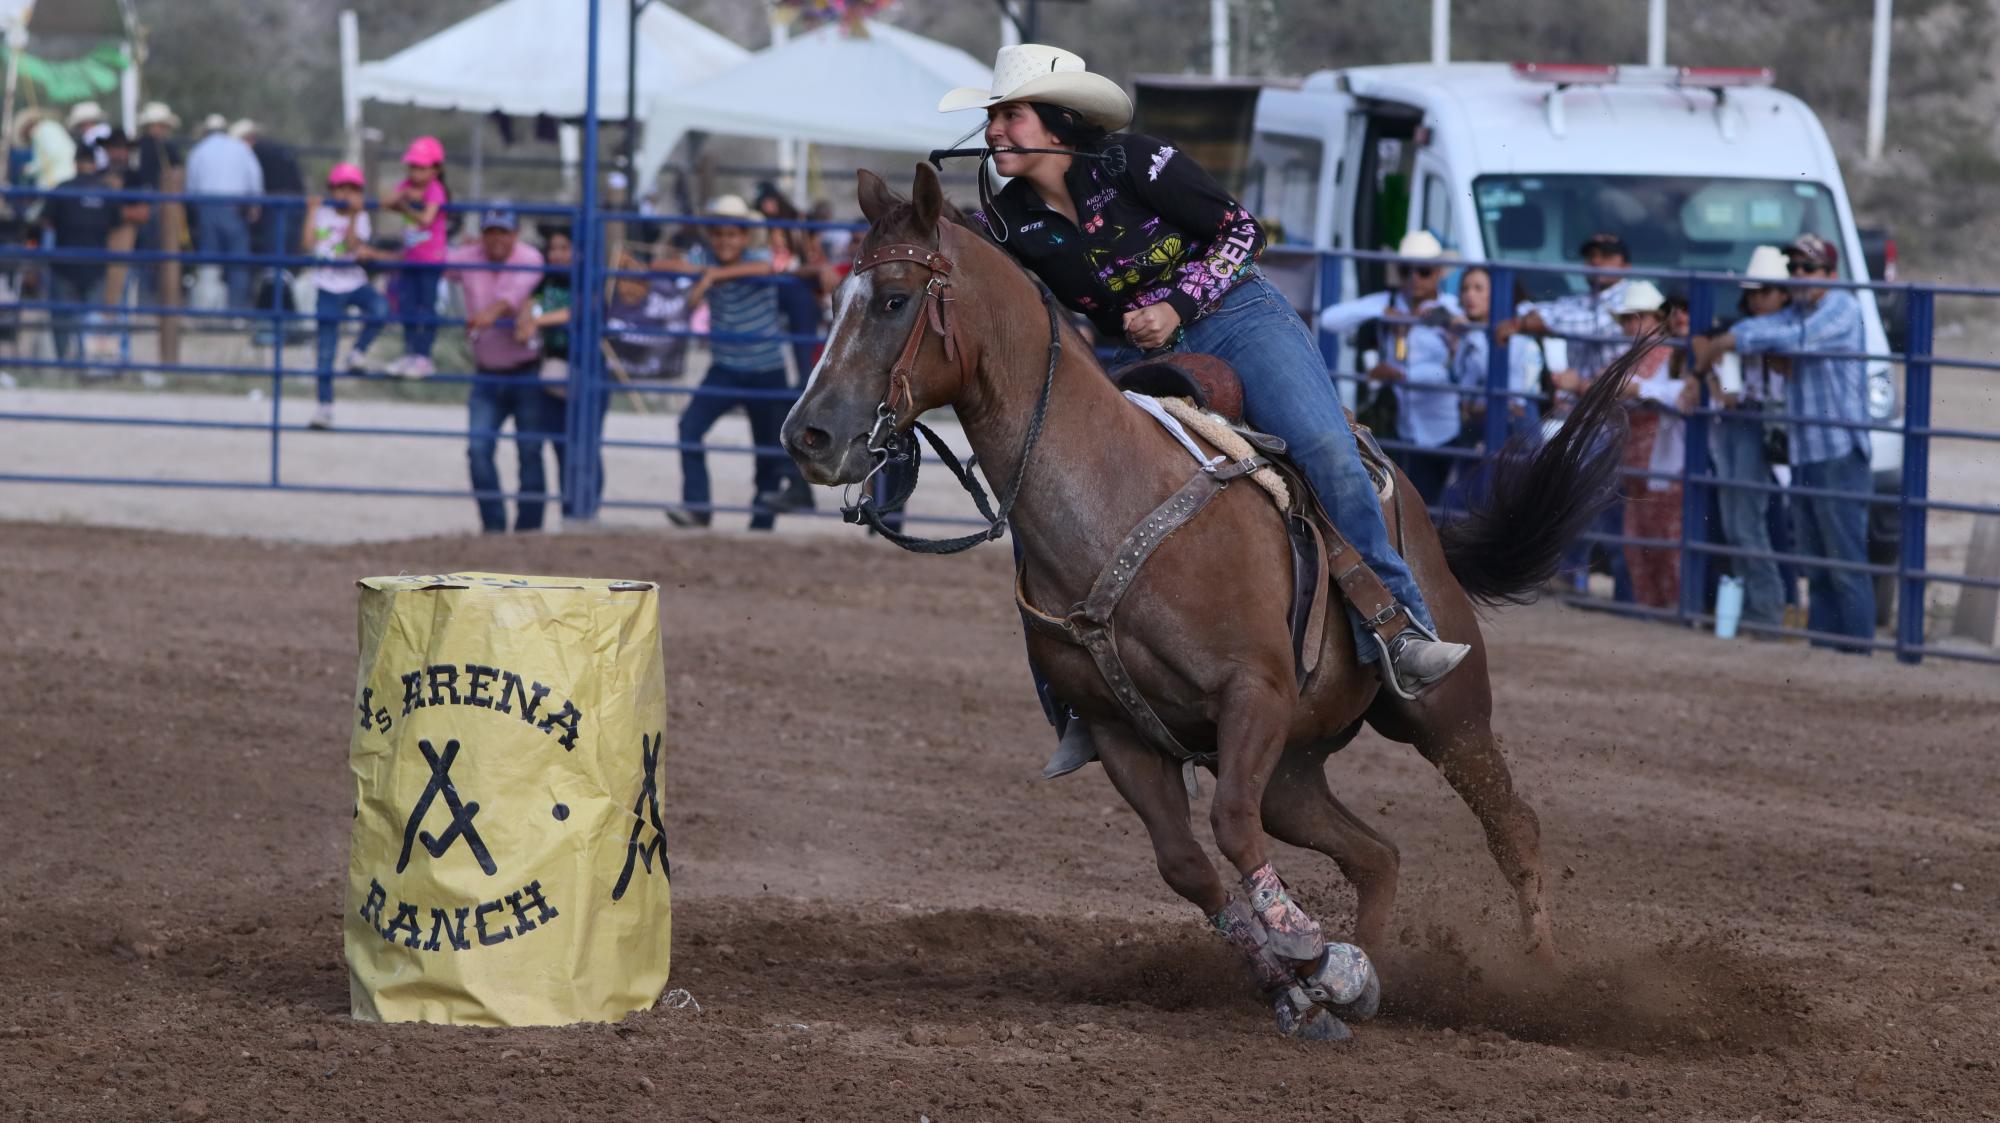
874,90
525,57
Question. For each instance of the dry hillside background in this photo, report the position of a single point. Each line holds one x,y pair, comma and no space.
1935,188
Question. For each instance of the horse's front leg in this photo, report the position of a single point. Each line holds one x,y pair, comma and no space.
1152,784
1333,981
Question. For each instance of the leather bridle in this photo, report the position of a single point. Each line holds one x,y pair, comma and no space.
886,441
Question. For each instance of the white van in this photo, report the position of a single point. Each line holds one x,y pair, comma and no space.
1521,163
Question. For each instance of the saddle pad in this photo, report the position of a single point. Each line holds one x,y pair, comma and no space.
1172,425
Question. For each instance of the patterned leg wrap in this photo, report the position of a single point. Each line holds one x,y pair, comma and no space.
1293,935
1296,1011
1246,934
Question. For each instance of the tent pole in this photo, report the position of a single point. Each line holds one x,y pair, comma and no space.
479,157
17,41
350,90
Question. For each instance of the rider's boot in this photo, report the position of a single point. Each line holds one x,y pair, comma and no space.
1416,658
1074,749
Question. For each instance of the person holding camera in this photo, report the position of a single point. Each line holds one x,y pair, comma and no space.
1744,447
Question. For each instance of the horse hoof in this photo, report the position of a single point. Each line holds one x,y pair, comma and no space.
1345,982
1314,1025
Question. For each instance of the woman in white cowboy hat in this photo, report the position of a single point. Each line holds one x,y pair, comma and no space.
1657,447
1131,232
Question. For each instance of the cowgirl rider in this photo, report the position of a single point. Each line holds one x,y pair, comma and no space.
1158,255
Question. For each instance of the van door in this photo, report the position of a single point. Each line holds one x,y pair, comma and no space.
1381,158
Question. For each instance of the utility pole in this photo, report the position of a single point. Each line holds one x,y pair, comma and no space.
1218,38
1656,33
1878,78
1440,32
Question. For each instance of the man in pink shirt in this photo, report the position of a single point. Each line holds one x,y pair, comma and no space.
508,382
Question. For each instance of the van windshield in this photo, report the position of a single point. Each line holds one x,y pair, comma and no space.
1679,222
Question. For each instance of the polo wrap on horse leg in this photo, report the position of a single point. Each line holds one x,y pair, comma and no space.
1246,934
1298,1013
1291,934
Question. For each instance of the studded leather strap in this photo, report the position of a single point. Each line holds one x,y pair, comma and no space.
1091,626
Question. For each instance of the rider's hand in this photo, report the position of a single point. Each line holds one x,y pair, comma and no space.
1150,328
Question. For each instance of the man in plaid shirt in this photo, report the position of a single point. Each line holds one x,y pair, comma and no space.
1587,319
1819,324
1589,322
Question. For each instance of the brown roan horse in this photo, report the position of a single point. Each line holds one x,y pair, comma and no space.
1205,628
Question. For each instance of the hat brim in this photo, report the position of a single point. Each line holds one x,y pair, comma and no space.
1101,101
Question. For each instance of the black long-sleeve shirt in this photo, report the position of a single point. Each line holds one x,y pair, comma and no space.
1160,230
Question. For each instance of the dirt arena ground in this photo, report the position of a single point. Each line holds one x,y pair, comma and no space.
1777,869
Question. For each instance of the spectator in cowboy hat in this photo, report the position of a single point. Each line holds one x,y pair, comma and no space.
157,150
52,150
222,165
85,117
1740,446
1823,330
1655,450
282,176
746,368
1416,355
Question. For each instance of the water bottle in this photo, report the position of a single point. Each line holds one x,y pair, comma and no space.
1728,606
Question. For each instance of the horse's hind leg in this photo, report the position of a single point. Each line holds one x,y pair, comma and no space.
1299,808
1468,756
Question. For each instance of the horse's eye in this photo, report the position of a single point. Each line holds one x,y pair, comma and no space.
894,303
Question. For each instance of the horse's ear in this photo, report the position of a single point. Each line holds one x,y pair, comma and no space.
927,195
874,195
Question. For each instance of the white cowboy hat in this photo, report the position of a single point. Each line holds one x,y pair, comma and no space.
1052,76
157,113
1641,296
1767,263
1420,243
84,111
214,123
244,127
731,206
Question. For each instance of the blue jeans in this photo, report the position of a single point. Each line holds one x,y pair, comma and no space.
1737,446
68,288
716,397
1840,601
538,415
1288,393
223,231
332,306
416,302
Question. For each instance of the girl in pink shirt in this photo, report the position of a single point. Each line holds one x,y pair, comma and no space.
420,198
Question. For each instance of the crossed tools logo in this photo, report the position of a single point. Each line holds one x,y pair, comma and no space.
442,826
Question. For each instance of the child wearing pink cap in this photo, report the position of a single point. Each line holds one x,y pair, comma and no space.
337,236
420,198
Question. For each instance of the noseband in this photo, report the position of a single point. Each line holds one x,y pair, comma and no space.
888,444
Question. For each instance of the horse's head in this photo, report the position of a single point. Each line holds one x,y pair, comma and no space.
893,352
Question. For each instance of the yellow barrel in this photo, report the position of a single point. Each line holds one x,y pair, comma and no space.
509,860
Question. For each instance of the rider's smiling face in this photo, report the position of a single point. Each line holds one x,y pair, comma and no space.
1014,124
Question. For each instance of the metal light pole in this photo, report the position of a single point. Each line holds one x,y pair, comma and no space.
1656,32
1440,31
1218,38
1878,78
628,155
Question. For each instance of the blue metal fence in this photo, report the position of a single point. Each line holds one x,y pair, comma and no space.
590,386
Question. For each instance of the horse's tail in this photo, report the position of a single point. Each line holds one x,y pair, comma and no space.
1511,542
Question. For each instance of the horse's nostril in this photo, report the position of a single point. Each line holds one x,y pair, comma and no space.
813,440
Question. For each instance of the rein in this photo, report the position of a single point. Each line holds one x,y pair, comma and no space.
890,446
